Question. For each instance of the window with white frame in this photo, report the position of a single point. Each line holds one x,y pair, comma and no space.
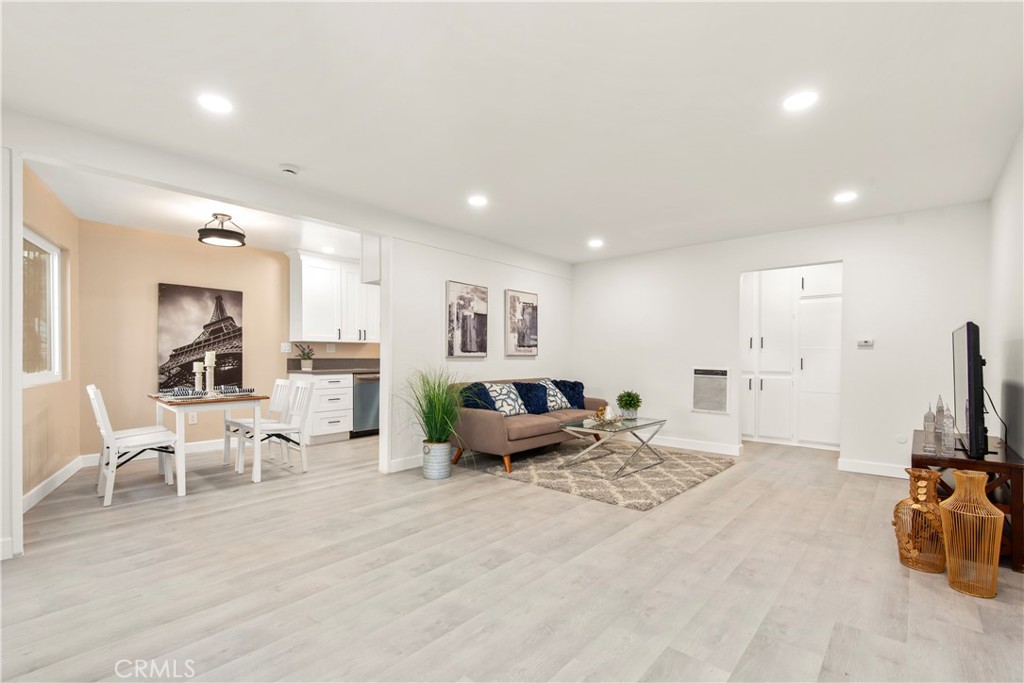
42,310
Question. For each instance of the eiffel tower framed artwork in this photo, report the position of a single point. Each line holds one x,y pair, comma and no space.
193,321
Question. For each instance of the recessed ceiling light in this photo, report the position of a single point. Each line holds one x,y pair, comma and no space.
800,101
217,104
477,200
327,250
595,243
845,197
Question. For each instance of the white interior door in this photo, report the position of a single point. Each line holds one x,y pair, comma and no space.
775,407
750,335
819,338
748,406
776,338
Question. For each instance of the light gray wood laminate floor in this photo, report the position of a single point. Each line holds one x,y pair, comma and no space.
780,568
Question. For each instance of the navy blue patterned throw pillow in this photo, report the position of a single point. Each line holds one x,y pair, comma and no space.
572,390
506,399
475,395
535,397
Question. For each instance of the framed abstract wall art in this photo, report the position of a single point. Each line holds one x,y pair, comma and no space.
520,323
467,320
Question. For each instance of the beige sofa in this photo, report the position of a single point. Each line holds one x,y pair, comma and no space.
488,431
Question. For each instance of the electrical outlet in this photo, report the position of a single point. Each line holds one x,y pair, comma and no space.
286,347
193,418
330,348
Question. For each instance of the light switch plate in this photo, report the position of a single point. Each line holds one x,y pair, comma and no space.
193,418
286,347
330,348
865,343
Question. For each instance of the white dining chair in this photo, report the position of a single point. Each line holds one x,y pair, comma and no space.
127,442
278,409
286,432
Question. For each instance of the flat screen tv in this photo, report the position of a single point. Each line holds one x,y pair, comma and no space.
969,392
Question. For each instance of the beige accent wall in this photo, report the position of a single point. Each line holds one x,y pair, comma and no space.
51,422
121,268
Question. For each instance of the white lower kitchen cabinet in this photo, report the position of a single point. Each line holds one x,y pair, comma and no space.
330,412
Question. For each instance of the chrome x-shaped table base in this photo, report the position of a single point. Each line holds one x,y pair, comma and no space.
605,437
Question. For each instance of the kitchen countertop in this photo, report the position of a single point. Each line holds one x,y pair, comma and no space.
338,371
337,366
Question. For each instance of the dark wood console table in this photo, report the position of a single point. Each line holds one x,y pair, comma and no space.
1006,468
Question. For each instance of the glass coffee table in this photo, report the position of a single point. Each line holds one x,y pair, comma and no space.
603,432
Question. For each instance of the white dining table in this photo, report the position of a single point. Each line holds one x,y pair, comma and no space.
180,407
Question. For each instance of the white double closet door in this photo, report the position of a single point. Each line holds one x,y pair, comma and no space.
790,333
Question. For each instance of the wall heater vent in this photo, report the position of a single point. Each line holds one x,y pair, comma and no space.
710,390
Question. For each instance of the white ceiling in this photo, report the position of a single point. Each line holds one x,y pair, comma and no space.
101,198
650,125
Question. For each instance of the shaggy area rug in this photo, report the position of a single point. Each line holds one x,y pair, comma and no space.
640,491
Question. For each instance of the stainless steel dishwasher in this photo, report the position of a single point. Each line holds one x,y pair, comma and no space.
366,403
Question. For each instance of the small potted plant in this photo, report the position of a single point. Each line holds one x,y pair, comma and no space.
435,398
629,402
305,355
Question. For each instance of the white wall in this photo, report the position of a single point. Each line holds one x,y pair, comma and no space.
418,325
644,322
1003,337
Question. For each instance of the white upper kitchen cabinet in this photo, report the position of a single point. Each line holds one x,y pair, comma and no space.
315,298
330,303
361,306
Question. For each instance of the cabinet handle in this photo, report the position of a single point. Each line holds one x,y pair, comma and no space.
333,399
334,381
333,422
751,342
801,284
339,334
801,363
762,385
762,342
750,383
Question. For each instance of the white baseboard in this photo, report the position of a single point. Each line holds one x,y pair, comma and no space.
799,444
407,463
50,484
6,548
734,450
878,468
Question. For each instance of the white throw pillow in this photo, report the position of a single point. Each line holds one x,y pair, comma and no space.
507,400
556,399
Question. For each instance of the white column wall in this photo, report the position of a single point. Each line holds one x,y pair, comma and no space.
418,320
1003,340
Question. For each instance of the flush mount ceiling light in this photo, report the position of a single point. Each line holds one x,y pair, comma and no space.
844,197
217,104
477,200
220,235
800,101
595,243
